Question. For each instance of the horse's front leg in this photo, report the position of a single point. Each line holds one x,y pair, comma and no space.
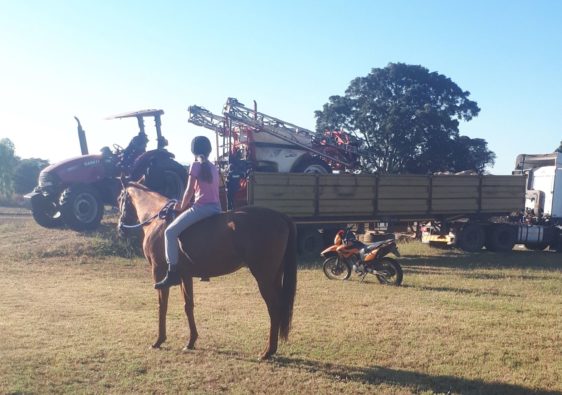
187,290
163,296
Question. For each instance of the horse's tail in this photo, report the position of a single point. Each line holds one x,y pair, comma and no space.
289,281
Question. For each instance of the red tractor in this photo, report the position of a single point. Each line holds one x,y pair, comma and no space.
74,192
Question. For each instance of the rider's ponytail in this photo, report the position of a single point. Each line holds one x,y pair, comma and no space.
206,174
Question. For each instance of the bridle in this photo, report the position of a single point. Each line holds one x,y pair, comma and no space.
165,212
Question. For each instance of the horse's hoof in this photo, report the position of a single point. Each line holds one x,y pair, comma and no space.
265,356
157,344
188,348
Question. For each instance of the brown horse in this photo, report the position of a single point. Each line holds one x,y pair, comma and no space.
259,238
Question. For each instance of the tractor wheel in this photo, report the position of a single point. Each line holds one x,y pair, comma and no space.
168,179
46,213
81,207
313,166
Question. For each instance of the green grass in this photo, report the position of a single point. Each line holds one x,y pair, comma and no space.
78,314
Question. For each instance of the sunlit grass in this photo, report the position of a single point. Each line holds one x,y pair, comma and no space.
78,314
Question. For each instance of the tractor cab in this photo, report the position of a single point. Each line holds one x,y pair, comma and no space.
126,157
140,115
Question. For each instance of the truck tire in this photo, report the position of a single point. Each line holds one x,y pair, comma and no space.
472,237
312,166
310,242
81,207
501,238
536,246
46,213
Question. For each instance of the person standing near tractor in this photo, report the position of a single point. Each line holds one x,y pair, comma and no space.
203,183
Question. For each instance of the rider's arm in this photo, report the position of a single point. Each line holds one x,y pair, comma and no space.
188,194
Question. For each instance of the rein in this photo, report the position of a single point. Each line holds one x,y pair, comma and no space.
166,212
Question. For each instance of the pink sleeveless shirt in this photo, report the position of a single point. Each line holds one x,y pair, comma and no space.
205,192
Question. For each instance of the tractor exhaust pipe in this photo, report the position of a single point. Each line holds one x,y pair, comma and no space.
82,138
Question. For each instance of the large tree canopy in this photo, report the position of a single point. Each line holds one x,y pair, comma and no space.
408,119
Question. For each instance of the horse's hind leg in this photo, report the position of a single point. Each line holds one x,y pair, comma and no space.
270,290
163,296
187,290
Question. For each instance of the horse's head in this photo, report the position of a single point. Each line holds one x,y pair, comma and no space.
127,212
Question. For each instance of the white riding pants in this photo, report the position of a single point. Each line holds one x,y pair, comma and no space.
192,215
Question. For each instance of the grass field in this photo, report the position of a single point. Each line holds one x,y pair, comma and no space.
77,315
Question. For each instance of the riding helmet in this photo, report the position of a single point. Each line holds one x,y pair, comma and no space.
201,145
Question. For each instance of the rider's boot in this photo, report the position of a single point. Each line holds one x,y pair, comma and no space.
172,278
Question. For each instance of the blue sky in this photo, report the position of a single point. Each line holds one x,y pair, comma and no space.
96,58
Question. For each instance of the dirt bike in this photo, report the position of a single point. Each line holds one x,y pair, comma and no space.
348,253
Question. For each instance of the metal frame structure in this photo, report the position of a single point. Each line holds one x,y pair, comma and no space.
240,119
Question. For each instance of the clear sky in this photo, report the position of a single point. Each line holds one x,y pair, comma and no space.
97,58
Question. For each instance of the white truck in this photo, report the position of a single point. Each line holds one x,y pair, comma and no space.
543,200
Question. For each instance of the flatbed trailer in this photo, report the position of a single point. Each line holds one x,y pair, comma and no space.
333,198
473,207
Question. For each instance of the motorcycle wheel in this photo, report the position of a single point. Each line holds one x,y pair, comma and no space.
336,268
389,272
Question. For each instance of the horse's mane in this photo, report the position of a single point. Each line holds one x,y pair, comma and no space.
144,188
139,186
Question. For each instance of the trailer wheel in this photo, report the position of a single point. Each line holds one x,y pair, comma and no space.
471,237
328,234
310,242
501,238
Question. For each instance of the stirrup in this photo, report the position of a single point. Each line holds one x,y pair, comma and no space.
172,278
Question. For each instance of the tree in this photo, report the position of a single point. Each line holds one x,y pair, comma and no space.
408,119
8,161
457,154
559,149
26,173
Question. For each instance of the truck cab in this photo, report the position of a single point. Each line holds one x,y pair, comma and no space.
543,199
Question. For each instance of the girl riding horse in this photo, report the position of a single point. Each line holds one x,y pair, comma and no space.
203,182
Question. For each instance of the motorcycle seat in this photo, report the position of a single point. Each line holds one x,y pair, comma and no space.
357,244
373,246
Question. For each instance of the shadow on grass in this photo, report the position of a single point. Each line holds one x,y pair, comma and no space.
433,271
510,260
415,381
464,291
